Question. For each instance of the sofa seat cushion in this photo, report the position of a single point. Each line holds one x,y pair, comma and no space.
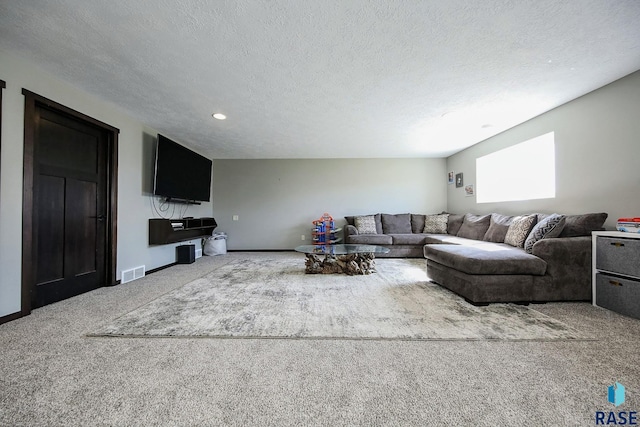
409,239
451,240
486,258
371,239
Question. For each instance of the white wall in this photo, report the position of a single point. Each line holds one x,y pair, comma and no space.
134,175
597,141
276,200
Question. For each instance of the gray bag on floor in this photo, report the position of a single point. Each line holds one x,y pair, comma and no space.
216,244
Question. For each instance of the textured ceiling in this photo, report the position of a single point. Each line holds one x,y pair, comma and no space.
323,79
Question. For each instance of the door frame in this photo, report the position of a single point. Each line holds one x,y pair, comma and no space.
2,86
33,100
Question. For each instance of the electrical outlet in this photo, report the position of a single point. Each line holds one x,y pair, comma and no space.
236,218
302,237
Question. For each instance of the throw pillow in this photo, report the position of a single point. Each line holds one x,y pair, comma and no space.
396,224
498,228
549,227
541,216
474,226
436,224
583,225
365,224
519,230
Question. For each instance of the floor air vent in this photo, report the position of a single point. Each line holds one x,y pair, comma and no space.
132,274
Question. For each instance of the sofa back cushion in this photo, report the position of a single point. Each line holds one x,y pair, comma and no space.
550,226
519,230
417,223
498,227
454,224
474,226
396,224
436,224
583,225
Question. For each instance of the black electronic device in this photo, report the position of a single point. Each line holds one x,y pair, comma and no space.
186,254
181,175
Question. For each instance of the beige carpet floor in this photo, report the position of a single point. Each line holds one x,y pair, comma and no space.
52,374
272,297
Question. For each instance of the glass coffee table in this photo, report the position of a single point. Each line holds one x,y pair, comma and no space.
349,259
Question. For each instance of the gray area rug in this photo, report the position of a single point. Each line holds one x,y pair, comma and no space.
272,297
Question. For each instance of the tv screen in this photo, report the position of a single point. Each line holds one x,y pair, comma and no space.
181,173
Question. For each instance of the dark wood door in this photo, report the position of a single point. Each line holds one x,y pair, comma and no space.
69,207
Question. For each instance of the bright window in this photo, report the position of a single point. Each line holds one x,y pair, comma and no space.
522,172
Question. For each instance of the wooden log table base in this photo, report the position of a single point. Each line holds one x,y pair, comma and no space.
351,264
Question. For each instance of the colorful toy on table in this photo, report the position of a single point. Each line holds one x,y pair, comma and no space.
324,230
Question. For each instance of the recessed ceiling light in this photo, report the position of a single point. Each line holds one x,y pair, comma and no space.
219,116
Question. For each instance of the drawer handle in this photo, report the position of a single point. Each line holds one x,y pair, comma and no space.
615,283
617,244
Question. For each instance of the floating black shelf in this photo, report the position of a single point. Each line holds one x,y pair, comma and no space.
164,231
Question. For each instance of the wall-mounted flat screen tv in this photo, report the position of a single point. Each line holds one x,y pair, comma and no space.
181,174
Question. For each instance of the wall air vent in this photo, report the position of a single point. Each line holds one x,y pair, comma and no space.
198,253
132,274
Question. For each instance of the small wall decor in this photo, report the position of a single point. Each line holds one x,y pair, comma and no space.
459,181
468,190
451,177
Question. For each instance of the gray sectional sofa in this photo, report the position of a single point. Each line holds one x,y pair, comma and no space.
471,258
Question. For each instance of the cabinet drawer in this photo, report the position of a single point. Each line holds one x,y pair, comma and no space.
619,295
618,255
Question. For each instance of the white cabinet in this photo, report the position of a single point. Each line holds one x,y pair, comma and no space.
616,272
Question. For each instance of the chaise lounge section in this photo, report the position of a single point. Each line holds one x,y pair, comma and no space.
549,259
